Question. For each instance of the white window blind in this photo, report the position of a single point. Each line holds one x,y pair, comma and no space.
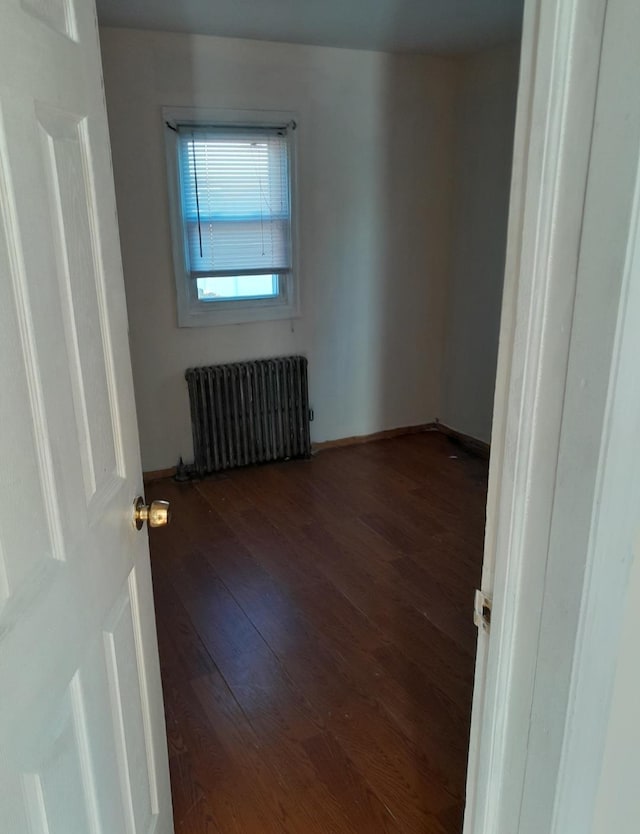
235,200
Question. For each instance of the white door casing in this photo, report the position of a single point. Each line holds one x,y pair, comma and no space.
574,170
556,100
595,517
598,786
82,737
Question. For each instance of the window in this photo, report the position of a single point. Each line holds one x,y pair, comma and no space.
231,202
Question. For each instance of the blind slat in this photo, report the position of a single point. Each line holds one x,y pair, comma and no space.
235,199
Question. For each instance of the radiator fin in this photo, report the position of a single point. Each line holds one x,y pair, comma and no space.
249,412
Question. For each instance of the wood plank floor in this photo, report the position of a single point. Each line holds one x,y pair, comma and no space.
316,640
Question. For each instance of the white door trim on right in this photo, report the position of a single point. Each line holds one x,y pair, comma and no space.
614,542
556,346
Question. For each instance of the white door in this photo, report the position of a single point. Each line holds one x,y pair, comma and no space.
82,738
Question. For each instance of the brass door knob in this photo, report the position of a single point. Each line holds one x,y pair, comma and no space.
156,514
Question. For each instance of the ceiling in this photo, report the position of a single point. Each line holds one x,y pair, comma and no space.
390,25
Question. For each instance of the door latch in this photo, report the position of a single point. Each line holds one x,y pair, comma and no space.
482,611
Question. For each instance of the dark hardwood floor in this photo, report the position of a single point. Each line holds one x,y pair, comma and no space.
316,640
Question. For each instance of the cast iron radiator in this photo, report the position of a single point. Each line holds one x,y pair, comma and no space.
249,412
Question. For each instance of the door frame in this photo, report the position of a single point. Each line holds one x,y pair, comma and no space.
559,75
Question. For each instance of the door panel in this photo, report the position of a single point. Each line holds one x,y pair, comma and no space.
58,14
82,737
67,161
124,652
28,536
58,785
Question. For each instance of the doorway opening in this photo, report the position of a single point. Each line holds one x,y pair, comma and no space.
315,618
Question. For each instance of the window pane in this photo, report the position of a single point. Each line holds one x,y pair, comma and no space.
237,287
235,199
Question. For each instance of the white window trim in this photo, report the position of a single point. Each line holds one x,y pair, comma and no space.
191,311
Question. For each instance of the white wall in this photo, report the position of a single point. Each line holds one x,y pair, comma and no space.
375,154
485,117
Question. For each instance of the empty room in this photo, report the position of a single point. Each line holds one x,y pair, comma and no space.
312,204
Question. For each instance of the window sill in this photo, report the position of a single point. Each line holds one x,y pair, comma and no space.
209,314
